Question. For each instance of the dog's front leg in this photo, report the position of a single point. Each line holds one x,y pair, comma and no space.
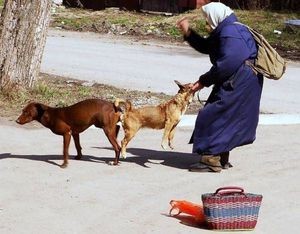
171,136
67,139
168,128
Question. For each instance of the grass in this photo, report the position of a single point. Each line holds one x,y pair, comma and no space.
266,22
160,26
59,92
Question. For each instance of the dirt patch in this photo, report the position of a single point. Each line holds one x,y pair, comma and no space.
60,91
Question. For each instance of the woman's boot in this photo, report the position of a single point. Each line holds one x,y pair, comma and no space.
225,160
208,163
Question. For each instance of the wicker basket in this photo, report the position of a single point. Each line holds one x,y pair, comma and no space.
229,208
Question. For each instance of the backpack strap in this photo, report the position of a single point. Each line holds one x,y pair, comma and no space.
249,62
251,65
257,36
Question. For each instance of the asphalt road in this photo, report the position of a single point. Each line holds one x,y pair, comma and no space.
91,197
150,66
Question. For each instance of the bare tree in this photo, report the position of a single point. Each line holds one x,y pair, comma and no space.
23,29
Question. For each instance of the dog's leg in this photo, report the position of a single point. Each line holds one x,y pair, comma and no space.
67,139
111,135
168,128
124,143
117,130
77,145
129,134
171,136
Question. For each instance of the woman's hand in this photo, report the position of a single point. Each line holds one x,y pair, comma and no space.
183,25
196,86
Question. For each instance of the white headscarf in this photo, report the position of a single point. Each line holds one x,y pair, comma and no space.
215,13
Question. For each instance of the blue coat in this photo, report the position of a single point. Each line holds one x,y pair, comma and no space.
230,116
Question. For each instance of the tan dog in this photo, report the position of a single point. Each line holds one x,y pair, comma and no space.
164,116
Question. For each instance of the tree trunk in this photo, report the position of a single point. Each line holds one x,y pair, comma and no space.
23,29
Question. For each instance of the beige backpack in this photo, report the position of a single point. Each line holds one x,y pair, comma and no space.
268,62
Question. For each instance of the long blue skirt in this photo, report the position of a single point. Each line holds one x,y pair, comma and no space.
230,116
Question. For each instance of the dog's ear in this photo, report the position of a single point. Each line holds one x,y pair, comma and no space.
40,109
181,86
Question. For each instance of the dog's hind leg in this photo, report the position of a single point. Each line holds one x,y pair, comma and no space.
111,135
129,134
77,145
117,130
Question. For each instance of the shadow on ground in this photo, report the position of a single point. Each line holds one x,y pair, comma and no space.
142,157
188,220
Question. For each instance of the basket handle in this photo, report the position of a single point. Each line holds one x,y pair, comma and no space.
230,189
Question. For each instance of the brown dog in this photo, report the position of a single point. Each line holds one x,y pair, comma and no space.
74,119
166,115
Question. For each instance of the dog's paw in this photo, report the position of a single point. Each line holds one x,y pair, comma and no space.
77,157
64,165
171,145
123,155
112,163
164,146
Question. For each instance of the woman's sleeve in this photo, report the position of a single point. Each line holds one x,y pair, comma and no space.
198,42
232,54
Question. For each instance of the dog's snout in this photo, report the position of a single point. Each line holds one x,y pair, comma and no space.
20,120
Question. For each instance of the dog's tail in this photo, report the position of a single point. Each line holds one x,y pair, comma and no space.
127,104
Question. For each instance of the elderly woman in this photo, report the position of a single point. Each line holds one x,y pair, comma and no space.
230,116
